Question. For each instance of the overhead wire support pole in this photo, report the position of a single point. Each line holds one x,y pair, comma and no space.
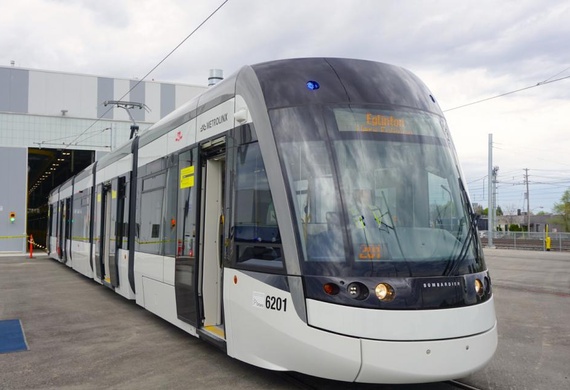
490,197
495,171
127,106
527,202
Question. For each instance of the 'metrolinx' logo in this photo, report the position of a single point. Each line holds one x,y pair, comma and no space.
214,122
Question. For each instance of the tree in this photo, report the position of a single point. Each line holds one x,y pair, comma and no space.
510,214
498,211
478,209
563,210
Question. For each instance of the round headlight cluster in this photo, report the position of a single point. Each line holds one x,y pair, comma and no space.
479,287
384,292
359,291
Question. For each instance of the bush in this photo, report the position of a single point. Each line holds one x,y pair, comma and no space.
514,228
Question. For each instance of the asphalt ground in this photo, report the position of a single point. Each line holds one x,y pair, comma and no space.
532,301
83,336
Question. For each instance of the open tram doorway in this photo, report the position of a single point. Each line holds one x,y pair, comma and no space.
200,238
211,242
103,225
109,212
63,233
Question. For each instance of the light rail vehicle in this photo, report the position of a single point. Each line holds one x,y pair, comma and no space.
304,215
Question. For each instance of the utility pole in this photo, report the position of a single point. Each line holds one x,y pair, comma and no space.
490,197
527,202
495,172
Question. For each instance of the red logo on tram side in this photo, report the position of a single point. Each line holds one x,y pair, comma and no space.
178,136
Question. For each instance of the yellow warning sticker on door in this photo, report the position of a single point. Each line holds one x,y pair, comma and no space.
187,177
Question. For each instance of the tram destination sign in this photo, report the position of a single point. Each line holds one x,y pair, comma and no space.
374,120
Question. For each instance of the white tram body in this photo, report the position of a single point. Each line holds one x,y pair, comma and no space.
305,215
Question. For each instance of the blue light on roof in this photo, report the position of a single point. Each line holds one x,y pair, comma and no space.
312,85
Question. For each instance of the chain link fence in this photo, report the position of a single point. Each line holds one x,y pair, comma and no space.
559,242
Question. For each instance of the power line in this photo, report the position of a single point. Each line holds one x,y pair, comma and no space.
556,74
546,170
508,93
153,69
473,181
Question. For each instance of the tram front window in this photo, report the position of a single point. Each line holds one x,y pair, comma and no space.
390,203
401,208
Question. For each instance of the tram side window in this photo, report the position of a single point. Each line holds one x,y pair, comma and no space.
256,233
442,209
53,216
187,204
149,214
80,218
122,228
316,202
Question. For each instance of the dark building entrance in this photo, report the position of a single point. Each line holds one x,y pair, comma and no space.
47,169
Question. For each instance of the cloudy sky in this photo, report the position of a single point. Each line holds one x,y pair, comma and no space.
465,51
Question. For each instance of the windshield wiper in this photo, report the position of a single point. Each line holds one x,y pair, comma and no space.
453,263
396,233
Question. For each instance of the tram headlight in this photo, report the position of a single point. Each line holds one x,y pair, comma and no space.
384,292
479,288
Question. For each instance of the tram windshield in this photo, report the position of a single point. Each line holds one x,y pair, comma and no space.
376,191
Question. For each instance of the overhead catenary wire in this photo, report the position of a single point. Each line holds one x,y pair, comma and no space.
546,187
152,70
517,149
53,140
508,93
559,73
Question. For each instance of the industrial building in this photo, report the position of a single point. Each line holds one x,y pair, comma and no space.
54,124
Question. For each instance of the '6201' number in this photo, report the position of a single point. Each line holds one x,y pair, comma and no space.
275,303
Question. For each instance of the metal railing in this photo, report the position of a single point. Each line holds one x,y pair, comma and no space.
529,241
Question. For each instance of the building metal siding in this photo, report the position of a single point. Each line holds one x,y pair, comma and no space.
167,99
38,92
14,86
104,93
138,95
14,195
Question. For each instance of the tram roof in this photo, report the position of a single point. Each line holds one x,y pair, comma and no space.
341,80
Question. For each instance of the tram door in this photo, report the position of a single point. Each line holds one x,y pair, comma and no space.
106,233
186,266
61,229
67,232
198,275
105,251
211,242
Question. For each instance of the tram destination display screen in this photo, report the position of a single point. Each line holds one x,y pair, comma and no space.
374,120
